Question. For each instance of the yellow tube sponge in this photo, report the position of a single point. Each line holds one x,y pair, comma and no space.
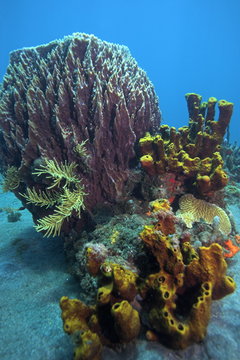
191,152
124,282
146,144
210,267
147,163
118,283
104,294
203,183
178,298
192,209
74,314
88,346
127,321
179,334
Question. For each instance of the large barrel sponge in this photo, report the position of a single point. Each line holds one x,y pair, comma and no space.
77,100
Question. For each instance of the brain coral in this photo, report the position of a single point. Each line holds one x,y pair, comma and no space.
192,209
78,91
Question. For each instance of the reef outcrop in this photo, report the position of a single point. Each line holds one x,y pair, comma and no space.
172,291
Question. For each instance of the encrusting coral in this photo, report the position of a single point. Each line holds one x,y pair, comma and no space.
193,150
192,209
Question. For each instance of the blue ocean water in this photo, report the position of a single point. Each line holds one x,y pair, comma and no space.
183,46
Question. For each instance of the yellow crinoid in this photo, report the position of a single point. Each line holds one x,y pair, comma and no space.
12,179
58,172
65,195
69,201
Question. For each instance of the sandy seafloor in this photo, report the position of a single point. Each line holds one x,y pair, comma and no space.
33,277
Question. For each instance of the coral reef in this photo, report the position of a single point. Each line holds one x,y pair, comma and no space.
161,210
192,209
204,234
71,115
193,150
166,186
79,101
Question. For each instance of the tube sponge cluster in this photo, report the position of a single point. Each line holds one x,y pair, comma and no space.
111,322
178,297
193,150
